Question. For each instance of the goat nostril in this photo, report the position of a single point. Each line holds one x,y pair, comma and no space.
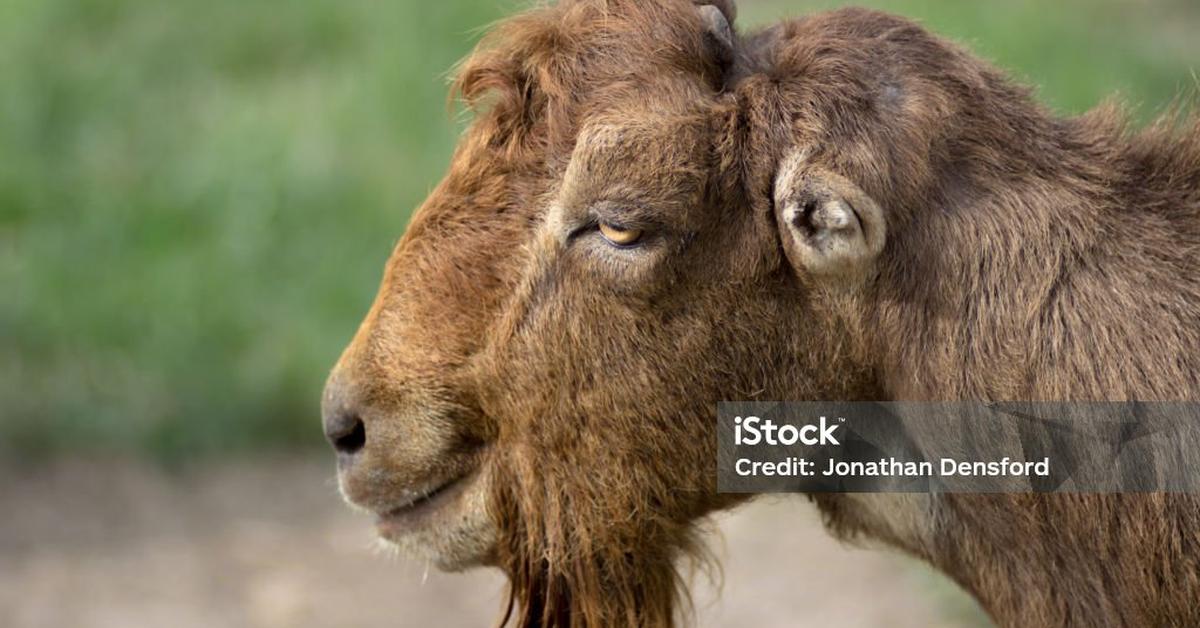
350,436
354,441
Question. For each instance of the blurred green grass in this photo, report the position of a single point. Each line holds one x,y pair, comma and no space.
197,197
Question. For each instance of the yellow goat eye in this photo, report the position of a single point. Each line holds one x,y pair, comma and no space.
619,235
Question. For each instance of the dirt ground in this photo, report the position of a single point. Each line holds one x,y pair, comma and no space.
103,544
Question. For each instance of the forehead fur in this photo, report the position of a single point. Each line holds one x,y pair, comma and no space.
535,76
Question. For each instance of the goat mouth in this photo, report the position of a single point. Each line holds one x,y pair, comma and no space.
410,516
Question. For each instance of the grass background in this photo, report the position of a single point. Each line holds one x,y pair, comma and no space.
197,197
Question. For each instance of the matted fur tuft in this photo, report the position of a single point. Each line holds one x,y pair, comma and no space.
532,78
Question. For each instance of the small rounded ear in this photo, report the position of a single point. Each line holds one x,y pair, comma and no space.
831,229
718,16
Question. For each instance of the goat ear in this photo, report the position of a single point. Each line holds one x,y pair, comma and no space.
832,231
718,16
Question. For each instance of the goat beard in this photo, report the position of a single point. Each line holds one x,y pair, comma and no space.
595,545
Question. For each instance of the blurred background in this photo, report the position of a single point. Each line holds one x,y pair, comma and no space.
196,201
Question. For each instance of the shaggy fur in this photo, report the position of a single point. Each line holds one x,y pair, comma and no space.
1028,257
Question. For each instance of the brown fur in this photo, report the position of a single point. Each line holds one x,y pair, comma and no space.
1028,257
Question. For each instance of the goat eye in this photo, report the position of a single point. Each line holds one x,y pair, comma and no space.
620,236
